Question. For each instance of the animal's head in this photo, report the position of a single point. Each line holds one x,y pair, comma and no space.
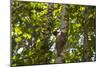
57,32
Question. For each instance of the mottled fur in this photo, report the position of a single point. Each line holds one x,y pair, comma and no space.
60,41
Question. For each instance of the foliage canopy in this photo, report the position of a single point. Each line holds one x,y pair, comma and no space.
32,26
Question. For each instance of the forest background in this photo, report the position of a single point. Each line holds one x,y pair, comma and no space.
32,24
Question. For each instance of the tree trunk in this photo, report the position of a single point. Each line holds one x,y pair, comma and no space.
85,46
64,26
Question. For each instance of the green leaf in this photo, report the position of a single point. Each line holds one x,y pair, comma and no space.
82,8
18,39
77,25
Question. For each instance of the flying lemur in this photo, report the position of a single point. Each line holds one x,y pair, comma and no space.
60,41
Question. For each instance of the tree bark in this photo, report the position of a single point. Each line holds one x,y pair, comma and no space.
85,46
64,29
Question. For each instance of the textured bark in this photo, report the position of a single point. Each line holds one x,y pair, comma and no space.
64,24
64,19
85,47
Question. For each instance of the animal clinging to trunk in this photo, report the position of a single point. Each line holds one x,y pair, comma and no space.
60,41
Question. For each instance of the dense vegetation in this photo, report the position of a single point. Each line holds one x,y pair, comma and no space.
32,26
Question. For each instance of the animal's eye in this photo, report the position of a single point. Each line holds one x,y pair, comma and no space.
55,33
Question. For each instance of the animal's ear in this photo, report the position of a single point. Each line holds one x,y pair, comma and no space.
55,33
